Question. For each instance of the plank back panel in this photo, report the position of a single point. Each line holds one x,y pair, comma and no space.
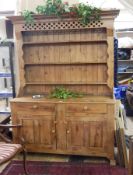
75,59
65,53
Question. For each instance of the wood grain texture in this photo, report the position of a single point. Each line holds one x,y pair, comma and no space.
66,127
81,58
62,52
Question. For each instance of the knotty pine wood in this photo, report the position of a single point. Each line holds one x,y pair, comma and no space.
81,126
64,58
54,52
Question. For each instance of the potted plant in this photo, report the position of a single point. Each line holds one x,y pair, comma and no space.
84,12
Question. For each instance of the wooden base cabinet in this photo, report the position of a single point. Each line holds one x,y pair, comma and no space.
79,127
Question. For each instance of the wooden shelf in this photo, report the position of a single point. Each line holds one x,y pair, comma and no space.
63,42
65,83
125,60
64,63
125,72
124,80
126,48
5,75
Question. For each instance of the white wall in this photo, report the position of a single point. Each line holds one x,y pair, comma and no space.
7,5
124,20
2,29
31,5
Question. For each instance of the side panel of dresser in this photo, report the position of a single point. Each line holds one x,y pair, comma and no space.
38,125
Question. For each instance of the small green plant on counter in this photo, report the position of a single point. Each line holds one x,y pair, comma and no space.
62,93
85,12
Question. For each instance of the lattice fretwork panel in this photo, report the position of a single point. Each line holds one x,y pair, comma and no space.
61,25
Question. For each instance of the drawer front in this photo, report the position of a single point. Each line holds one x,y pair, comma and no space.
86,108
34,108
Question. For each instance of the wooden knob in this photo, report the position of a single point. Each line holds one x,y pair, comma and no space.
85,107
55,122
68,131
34,106
53,131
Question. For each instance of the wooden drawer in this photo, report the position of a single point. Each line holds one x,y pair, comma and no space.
34,108
86,108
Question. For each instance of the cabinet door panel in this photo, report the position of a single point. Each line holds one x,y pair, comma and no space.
47,132
38,130
96,134
82,135
28,130
75,134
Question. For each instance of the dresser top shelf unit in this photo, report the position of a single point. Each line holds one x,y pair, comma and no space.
54,52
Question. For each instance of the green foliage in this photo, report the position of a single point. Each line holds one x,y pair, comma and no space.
85,12
88,13
55,7
62,93
40,9
28,16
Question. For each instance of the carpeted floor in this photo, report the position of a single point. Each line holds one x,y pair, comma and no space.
63,168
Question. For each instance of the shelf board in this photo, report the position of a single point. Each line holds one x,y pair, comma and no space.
5,112
64,63
124,80
65,83
125,60
64,42
124,32
5,95
125,72
129,48
5,75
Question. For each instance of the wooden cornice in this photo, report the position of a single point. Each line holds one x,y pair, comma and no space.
105,14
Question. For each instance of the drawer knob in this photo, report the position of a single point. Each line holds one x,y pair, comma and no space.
35,107
68,131
53,131
85,107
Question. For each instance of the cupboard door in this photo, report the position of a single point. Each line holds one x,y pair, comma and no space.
87,135
38,130
75,134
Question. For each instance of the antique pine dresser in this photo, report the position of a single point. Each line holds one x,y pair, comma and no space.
56,52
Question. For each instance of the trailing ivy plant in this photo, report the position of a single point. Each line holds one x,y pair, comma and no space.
28,16
55,7
62,93
85,12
